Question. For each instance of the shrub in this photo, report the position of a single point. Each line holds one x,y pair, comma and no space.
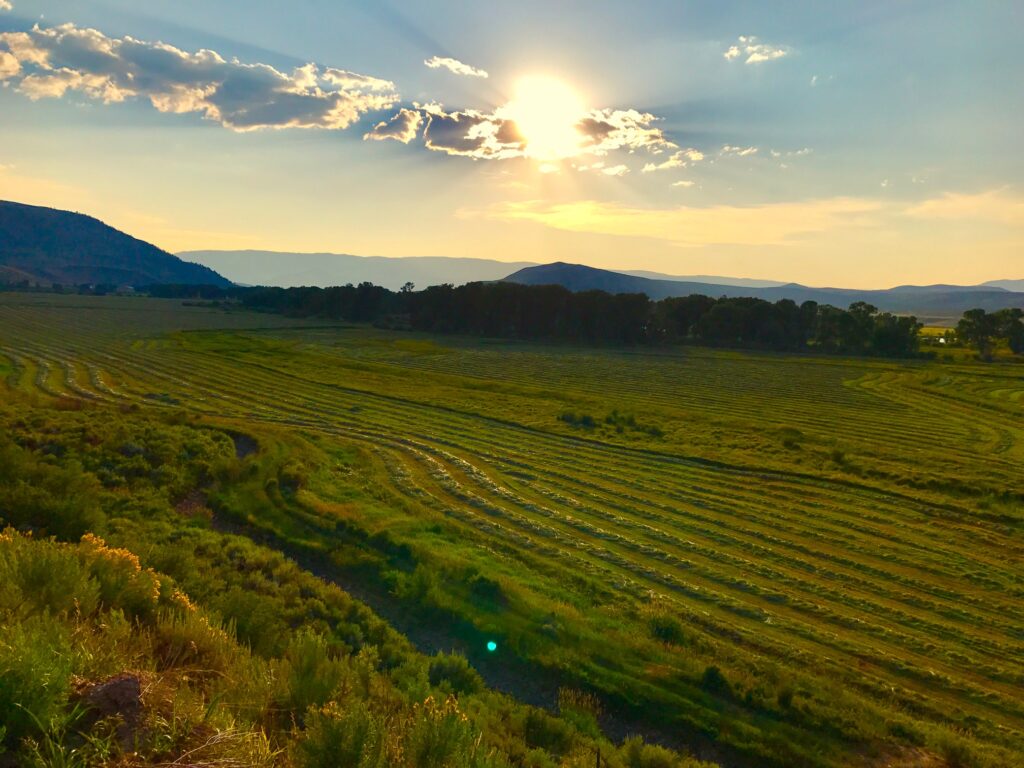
713,681
35,677
487,590
640,755
785,697
668,629
581,709
351,737
956,752
453,674
122,581
184,638
791,437
421,587
43,577
440,736
256,620
292,477
311,675
584,420
62,501
543,731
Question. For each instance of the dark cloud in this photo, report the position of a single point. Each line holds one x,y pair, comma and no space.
479,135
47,63
595,131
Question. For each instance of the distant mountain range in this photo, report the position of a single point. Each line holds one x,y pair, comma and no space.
288,270
1009,285
45,246
712,279
929,300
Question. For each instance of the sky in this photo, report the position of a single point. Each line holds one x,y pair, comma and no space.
856,144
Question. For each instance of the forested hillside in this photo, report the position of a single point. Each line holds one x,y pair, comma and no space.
45,246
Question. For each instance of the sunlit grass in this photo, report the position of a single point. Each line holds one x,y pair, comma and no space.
837,539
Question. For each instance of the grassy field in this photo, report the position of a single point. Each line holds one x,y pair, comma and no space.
774,560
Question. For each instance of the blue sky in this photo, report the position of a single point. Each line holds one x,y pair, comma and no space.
862,143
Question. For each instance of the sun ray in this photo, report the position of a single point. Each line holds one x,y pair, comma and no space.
547,112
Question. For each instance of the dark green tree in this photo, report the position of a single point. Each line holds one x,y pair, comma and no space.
1010,326
977,328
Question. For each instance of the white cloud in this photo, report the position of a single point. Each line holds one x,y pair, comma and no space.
50,62
685,183
455,66
790,153
403,127
55,62
756,52
680,159
9,65
5,5
345,80
729,151
615,170
606,130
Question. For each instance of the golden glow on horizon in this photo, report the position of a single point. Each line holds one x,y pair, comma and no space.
867,242
547,112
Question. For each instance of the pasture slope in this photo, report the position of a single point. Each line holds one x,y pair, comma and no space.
777,560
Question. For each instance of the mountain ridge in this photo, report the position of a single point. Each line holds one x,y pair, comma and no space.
1017,286
937,300
47,245
284,269
265,267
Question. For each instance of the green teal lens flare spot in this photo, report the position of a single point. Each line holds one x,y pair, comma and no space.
492,646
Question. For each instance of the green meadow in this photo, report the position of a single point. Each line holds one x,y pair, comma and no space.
756,559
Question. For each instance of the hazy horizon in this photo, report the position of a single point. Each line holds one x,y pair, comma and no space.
215,259
865,147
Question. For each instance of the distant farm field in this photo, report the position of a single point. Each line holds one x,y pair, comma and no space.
795,560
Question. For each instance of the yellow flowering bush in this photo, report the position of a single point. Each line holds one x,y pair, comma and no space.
440,736
122,580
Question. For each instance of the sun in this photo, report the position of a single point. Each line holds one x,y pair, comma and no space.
547,112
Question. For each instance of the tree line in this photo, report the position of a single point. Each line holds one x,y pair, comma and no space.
554,313
983,330
551,312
